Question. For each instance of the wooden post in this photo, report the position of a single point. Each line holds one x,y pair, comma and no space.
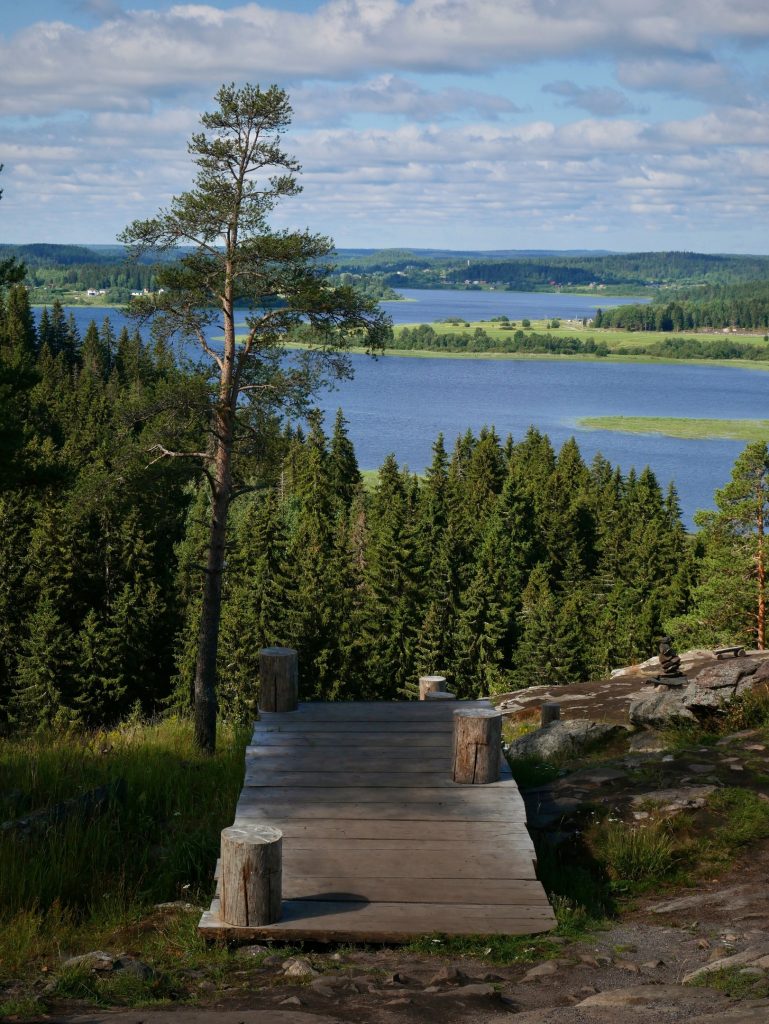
551,712
250,875
278,679
477,746
431,684
440,695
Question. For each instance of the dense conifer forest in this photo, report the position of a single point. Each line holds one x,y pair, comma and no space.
507,564
743,305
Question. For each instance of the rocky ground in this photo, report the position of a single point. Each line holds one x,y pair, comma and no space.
694,949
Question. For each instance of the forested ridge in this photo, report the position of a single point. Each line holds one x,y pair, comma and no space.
743,305
507,564
678,277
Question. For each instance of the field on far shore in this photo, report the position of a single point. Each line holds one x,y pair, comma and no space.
688,429
613,337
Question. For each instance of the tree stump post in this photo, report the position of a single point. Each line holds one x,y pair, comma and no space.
431,684
250,875
440,695
551,712
477,746
278,679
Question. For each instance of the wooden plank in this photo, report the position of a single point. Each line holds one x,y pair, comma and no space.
385,922
426,848
433,802
393,864
413,833
323,779
394,714
270,809
462,891
306,725
282,759
351,741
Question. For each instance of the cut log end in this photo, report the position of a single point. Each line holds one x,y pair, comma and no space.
278,679
477,746
440,695
431,684
550,712
251,875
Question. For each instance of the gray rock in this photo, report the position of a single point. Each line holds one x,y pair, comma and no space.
476,989
247,952
724,674
746,958
755,1013
545,970
647,741
659,708
130,965
96,960
561,739
654,995
702,698
298,967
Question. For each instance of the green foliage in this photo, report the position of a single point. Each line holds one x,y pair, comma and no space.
735,984
635,854
167,825
730,594
744,816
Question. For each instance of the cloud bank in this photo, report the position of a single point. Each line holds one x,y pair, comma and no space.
437,122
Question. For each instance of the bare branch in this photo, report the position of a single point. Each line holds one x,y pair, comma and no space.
165,453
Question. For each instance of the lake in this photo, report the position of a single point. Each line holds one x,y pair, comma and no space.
429,304
400,404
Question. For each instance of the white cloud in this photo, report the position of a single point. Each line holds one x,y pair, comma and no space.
52,66
602,101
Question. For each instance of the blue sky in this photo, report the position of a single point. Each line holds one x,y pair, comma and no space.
617,124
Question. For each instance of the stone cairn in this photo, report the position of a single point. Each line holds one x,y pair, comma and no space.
670,664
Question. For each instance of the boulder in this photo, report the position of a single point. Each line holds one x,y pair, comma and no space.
724,674
561,739
702,699
659,708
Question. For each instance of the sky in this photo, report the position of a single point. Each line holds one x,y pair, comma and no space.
626,125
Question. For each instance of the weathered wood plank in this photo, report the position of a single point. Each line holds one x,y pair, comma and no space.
322,778
306,725
461,891
384,711
351,862
350,741
268,809
412,833
281,759
385,922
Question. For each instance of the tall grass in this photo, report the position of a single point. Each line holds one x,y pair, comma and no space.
158,844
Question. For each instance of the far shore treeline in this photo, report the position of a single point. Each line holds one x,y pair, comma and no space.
508,564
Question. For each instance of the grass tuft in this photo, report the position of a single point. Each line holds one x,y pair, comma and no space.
67,887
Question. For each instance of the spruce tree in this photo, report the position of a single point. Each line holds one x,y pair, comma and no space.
729,599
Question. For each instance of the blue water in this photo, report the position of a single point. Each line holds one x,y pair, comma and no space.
426,305
397,404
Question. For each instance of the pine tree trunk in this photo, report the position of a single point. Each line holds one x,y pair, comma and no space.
208,642
761,574
220,477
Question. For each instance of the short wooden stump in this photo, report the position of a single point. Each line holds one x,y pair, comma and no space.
250,875
431,684
477,746
278,679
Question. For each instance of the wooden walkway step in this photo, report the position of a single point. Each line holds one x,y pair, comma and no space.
379,845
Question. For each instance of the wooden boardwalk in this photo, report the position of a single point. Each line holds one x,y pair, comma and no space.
379,844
